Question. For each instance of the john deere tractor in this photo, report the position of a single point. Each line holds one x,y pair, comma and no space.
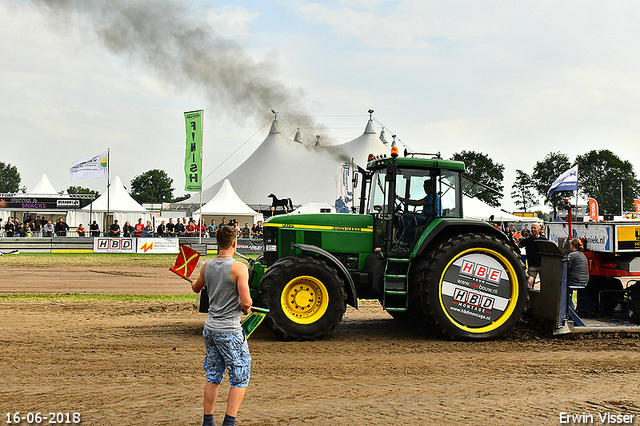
408,247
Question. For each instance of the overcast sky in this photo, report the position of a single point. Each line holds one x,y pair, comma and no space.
514,80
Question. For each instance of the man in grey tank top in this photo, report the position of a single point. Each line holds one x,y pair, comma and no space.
227,285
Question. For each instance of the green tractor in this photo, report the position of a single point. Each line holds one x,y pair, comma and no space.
407,248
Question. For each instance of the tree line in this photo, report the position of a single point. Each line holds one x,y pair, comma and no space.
602,175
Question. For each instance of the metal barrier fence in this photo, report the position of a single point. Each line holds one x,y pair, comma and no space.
75,244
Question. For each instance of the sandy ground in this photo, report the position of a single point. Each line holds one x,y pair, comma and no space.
141,364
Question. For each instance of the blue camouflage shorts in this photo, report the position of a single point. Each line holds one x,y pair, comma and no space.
227,351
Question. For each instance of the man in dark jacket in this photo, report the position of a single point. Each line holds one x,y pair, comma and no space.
533,254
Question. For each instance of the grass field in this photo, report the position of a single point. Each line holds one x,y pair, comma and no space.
93,259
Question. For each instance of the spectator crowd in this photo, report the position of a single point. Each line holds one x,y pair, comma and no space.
13,227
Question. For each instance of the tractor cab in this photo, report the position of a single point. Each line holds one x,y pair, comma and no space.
407,194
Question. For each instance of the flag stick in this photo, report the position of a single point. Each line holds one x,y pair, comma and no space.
104,219
201,169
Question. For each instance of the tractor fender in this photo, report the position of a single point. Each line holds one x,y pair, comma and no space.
451,228
352,297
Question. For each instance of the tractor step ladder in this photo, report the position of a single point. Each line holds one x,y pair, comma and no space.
396,285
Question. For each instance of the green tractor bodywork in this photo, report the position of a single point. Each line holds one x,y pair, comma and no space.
419,258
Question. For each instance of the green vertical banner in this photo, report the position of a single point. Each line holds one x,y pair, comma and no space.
193,155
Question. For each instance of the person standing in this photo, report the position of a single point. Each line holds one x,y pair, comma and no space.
226,345
179,228
161,229
191,229
246,231
114,229
127,229
58,227
212,228
48,230
139,228
170,228
534,259
94,229
148,230
9,228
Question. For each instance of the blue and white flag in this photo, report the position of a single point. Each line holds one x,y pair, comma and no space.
568,181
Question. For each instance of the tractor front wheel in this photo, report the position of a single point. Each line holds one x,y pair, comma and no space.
305,295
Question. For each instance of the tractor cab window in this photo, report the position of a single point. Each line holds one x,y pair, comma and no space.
420,196
377,194
418,202
450,193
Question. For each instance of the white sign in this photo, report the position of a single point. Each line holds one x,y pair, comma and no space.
597,236
158,245
114,245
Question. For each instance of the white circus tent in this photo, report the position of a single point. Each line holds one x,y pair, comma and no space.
315,207
227,204
477,209
121,206
303,173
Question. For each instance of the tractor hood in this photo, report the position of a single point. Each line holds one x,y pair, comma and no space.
323,221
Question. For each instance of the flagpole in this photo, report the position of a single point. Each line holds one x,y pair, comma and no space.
577,177
104,220
621,198
201,169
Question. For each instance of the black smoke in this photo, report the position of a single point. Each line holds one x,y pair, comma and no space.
165,37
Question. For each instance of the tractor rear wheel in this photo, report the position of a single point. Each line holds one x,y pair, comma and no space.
471,287
305,295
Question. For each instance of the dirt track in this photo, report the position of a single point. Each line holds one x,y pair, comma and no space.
140,364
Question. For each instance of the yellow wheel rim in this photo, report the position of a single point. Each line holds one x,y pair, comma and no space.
304,300
514,290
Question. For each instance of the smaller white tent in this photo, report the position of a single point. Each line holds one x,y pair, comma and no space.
315,207
227,204
44,187
122,207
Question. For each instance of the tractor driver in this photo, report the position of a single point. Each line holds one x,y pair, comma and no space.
410,221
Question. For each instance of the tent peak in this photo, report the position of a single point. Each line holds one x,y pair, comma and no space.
274,127
44,186
370,129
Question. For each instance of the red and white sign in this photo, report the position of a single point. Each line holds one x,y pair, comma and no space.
480,271
158,245
114,245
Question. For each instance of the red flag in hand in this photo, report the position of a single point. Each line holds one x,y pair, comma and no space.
186,262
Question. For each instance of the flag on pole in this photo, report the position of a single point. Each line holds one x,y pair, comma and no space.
193,154
255,318
593,209
568,181
186,262
95,167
